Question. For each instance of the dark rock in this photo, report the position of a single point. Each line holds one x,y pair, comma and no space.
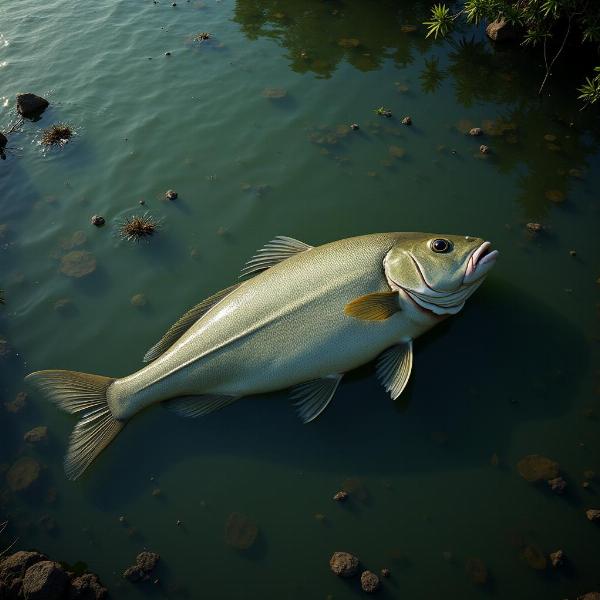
3,141
557,485
500,31
405,121
145,563
98,220
36,435
369,582
45,580
475,131
87,587
344,564
31,106
557,558
593,514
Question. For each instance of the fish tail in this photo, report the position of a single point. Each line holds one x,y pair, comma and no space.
85,395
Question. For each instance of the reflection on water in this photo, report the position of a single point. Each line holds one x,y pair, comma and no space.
252,129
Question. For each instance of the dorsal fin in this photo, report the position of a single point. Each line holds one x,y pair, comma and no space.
185,322
274,252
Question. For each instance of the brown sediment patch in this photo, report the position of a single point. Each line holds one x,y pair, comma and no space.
555,196
349,43
533,557
535,467
240,531
23,474
77,264
274,93
476,570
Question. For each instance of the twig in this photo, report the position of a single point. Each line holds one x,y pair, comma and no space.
549,68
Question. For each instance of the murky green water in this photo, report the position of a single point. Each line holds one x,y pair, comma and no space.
515,374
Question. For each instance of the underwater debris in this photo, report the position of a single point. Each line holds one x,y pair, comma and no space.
557,559
344,564
340,496
593,514
77,264
240,531
56,135
31,106
98,221
23,474
477,570
369,582
385,573
535,467
557,485
383,112
135,228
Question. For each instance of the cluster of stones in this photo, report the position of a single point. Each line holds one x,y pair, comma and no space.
33,576
344,564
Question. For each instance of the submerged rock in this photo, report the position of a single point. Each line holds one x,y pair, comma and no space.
77,264
407,121
535,467
18,404
36,435
385,572
484,149
477,570
240,531
534,227
98,220
475,131
534,557
3,141
344,564
145,562
45,580
23,474
138,300
171,195
31,106
274,93
15,565
590,596
369,582
340,496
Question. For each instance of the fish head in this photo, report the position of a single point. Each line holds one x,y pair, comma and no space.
438,272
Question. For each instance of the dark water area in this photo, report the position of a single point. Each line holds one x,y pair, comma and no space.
251,127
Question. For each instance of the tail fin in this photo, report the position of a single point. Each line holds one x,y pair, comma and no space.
81,393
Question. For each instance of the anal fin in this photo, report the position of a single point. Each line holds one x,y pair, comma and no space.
313,397
394,367
193,407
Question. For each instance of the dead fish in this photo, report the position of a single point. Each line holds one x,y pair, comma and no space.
302,318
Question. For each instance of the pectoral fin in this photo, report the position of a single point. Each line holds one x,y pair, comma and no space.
313,396
394,367
374,307
274,252
185,322
198,406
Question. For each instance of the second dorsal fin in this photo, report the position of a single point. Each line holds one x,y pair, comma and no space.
185,322
274,252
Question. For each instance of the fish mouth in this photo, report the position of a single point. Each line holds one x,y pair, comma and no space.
480,262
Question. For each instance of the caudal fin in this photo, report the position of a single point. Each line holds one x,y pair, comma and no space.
85,395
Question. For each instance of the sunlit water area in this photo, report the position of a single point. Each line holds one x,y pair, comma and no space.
251,128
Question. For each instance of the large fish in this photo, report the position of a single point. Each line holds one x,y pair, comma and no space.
304,317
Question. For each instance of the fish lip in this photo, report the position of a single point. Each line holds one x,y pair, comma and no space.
482,259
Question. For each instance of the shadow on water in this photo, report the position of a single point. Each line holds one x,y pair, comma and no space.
469,391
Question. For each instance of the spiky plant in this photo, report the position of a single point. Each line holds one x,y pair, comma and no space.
202,36
135,228
57,135
2,528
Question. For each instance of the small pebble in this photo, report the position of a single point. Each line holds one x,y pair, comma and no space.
586,484
557,559
171,195
475,131
179,523
572,253
340,496
121,519
484,149
167,54
407,121
534,227
593,514
354,127
369,582
385,572
142,202
557,485
98,221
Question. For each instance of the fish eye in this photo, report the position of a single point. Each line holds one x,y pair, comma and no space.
441,245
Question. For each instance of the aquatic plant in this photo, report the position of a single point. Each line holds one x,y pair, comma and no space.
57,135
383,112
533,22
133,229
202,36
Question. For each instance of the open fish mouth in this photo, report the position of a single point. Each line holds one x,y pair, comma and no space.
480,263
